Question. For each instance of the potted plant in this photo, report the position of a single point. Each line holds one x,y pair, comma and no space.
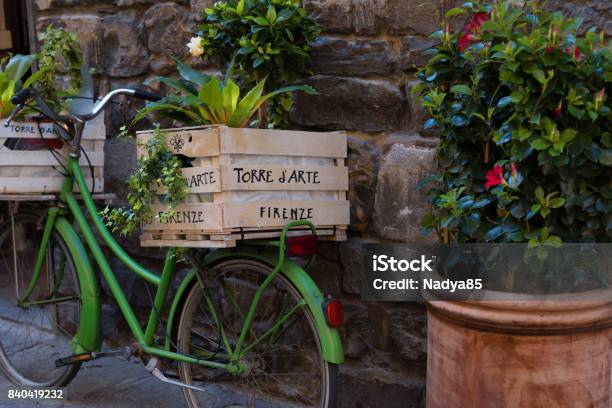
200,100
522,105
265,45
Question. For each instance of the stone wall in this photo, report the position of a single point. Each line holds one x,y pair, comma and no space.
364,65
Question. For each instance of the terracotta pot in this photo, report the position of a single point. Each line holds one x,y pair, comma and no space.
520,353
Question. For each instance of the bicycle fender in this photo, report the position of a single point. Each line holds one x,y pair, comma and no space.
89,334
331,343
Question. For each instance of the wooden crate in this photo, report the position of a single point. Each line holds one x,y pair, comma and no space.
249,183
24,171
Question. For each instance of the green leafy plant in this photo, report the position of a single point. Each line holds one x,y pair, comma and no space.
204,99
522,106
268,38
12,71
156,167
60,54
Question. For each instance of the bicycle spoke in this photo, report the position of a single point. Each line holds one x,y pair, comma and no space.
35,335
281,350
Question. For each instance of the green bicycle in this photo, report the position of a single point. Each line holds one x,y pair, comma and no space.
249,322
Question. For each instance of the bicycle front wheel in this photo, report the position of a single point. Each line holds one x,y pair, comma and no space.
283,369
35,334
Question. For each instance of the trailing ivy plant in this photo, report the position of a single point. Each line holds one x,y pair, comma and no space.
204,99
156,167
522,105
60,54
268,38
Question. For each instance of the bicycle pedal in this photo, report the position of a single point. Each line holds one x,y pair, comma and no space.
83,357
75,358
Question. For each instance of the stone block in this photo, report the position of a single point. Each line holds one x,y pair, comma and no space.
363,163
368,16
123,54
399,205
350,104
351,258
408,330
356,331
120,162
411,16
338,56
333,16
327,275
412,51
174,25
43,5
374,387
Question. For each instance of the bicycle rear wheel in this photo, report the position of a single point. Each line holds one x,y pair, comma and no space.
286,369
32,337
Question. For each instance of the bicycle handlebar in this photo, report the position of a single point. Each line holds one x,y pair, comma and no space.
21,97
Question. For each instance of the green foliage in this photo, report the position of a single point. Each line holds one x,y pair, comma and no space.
269,39
60,54
156,167
522,104
205,99
12,71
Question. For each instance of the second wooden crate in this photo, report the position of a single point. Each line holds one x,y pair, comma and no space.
249,183
27,166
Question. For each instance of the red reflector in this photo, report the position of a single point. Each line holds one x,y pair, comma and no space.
333,312
302,245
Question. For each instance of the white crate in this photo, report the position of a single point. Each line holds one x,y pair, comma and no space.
36,171
249,183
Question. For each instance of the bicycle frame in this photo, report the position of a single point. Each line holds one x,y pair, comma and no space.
88,337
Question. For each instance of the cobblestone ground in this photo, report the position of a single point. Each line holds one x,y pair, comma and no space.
117,383
106,383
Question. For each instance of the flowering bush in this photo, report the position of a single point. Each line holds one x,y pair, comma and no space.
522,105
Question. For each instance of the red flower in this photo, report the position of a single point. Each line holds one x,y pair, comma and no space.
478,20
549,49
599,96
465,41
494,176
576,52
558,109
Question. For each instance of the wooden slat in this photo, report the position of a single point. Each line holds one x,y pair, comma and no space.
42,158
283,142
279,213
24,185
189,217
279,177
202,179
29,130
186,243
192,142
199,217
51,197
209,179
